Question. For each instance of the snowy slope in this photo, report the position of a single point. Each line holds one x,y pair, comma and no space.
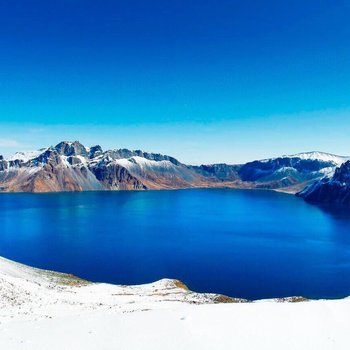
32,293
26,156
320,156
325,157
46,310
142,164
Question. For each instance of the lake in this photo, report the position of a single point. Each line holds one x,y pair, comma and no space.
243,243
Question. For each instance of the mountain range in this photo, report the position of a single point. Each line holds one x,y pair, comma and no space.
70,166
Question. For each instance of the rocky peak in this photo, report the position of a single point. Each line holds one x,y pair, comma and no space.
95,151
50,156
342,174
15,163
75,148
3,164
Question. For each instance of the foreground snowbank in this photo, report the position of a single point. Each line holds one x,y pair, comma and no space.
47,310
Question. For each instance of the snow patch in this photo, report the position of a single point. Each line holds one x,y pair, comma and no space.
26,156
321,156
326,157
144,164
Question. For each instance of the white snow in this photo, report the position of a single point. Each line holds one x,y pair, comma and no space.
26,156
82,159
286,169
322,156
65,162
124,162
40,310
143,163
329,171
326,157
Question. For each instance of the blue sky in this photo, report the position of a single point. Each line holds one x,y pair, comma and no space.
204,81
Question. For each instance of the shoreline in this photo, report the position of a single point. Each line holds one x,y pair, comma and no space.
70,279
47,310
278,190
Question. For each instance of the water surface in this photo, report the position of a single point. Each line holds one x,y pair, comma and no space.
251,244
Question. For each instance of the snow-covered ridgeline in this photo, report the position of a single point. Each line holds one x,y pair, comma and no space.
141,162
70,166
321,156
326,157
26,156
145,164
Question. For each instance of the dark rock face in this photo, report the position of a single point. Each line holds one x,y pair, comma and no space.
298,168
72,160
3,164
71,149
114,176
342,174
15,163
220,172
330,190
50,156
95,151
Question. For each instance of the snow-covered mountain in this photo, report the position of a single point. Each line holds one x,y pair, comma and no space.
294,171
330,189
70,166
321,156
26,156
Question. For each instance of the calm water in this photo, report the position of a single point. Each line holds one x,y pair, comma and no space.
252,244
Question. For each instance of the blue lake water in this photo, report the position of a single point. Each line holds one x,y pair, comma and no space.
251,244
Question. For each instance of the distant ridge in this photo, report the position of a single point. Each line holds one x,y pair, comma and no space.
316,155
71,166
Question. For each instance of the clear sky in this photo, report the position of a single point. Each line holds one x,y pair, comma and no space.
204,81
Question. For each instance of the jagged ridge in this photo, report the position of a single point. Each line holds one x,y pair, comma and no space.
70,166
